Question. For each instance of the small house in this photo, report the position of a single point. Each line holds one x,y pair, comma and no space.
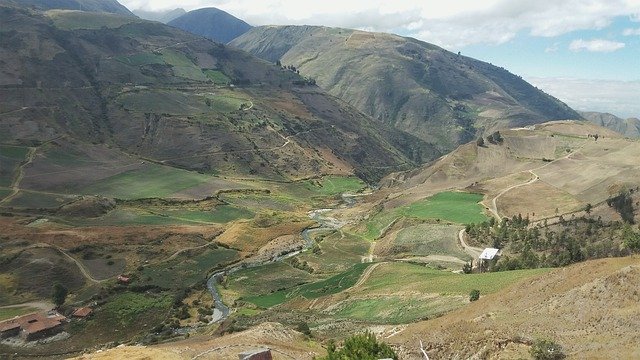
487,255
82,312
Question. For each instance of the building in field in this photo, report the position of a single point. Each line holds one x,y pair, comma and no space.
33,326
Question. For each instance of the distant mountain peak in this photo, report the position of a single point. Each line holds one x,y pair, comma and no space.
212,23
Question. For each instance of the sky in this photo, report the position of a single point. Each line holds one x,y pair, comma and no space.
584,52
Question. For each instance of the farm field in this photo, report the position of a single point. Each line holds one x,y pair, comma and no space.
450,206
332,285
10,158
10,312
424,240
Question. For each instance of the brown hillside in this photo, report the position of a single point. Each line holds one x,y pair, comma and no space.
591,309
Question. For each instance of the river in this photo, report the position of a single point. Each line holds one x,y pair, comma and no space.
326,223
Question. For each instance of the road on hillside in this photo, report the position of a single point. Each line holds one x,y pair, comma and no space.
474,252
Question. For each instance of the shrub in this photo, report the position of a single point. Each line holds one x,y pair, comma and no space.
474,295
543,349
361,347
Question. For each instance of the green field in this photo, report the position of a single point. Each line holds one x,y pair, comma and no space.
332,285
152,181
163,101
4,193
141,59
10,159
129,308
267,279
339,252
188,268
34,200
396,277
457,207
220,214
218,77
450,206
327,186
429,239
73,20
396,309
8,313
225,101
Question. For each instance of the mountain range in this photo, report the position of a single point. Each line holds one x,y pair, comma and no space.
441,97
157,92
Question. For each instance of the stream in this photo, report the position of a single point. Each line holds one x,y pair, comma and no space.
222,311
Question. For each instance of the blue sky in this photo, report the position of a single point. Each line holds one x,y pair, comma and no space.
575,50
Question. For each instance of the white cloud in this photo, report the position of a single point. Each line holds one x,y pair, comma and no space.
553,48
631,32
595,45
454,25
616,97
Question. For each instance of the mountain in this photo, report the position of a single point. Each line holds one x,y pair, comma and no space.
162,16
107,6
628,127
156,92
441,97
212,23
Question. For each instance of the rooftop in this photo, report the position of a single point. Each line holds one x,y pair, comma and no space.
489,253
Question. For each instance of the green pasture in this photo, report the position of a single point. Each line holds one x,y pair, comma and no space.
396,309
267,279
8,313
217,76
429,239
449,206
457,207
74,20
151,181
339,252
130,308
328,186
398,277
163,102
220,214
188,268
35,200
332,285
141,59
10,159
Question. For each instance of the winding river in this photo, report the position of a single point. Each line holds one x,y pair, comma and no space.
222,311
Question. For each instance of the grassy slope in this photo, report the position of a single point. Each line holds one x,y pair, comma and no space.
589,308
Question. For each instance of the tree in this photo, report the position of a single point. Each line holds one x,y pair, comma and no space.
59,294
543,349
474,295
361,347
480,142
467,268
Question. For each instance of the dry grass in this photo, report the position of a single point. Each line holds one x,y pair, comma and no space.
589,308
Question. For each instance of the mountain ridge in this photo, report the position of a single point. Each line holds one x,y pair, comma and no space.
443,98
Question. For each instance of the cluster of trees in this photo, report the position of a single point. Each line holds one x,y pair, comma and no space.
495,139
567,242
302,265
623,204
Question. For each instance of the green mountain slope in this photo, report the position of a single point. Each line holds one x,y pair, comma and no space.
107,6
159,93
441,97
211,23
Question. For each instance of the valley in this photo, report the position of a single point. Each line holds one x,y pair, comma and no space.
172,197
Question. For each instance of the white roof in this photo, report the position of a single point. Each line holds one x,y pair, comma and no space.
489,253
